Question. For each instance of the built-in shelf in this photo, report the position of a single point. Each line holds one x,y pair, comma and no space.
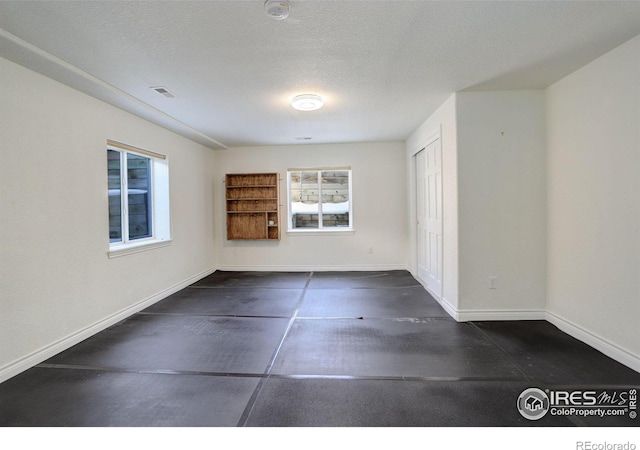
253,206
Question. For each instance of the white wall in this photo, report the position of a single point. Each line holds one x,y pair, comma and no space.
57,284
493,146
501,204
379,209
443,121
594,207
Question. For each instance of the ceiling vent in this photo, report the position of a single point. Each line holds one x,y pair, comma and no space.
278,10
164,91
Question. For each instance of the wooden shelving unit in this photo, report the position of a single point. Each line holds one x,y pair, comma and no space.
253,206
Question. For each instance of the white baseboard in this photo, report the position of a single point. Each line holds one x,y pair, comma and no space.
499,314
599,343
311,268
35,358
446,305
481,315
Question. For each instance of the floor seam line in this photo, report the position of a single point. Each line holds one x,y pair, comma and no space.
235,316
246,287
278,376
506,354
148,371
244,418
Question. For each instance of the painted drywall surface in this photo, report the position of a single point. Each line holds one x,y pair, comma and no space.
443,121
593,189
55,275
502,200
379,209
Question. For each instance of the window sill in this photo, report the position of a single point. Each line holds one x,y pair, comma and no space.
325,232
137,247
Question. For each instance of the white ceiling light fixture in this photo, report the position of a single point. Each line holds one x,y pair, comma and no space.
307,102
277,9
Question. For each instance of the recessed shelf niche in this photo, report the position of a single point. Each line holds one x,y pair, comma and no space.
253,206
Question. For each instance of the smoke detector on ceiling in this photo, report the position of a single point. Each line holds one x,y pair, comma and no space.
278,10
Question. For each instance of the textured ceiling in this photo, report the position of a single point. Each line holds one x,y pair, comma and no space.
382,66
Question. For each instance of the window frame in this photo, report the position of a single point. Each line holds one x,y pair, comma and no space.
159,214
320,229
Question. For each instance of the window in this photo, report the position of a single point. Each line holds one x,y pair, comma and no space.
141,216
319,199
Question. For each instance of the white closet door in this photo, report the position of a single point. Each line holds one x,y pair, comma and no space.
429,215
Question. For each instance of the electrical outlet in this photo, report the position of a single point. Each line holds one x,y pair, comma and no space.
370,250
493,282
